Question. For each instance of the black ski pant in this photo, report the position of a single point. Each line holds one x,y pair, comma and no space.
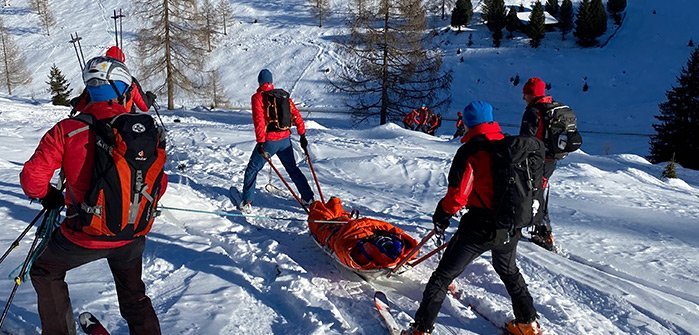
468,243
48,278
543,228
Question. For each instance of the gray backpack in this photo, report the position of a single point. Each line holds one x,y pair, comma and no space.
561,135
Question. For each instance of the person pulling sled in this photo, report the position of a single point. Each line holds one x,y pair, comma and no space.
479,180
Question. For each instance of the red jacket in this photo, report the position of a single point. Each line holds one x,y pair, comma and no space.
411,119
260,118
470,176
69,146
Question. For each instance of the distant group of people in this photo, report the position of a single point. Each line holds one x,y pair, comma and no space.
423,119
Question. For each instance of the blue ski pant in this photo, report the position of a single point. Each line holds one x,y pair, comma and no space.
285,152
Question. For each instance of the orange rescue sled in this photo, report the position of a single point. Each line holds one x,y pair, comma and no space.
363,245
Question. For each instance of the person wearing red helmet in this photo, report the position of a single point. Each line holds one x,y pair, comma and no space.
134,97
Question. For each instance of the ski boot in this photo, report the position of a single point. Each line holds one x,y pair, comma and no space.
414,330
515,328
245,207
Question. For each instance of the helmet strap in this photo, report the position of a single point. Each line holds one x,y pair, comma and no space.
120,96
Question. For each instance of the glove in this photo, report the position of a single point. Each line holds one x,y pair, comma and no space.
441,219
150,98
53,199
261,148
502,237
304,142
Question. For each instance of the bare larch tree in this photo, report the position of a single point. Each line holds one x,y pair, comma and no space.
320,9
395,68
225,10
172,46
13,69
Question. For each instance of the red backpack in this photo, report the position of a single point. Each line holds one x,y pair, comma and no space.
128,169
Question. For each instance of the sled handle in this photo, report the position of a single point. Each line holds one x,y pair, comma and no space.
411,254
313,171
429,254
269,160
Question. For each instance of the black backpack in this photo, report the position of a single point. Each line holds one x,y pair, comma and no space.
128,168
518,170
561,134
278,109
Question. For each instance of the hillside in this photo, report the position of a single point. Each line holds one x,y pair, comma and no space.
627,78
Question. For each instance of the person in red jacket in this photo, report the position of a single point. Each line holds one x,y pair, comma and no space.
460,126
410,120
272,142
134,97
70,146
470,184
534,123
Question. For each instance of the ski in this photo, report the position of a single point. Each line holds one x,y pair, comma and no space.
90,325
382,306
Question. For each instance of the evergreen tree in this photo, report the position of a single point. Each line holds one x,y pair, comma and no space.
395,70
462,13
616,7
566,18
59,87
537,28
495,15
599,18
512,21
679,120
584,25
552,7
13,70
691,43
670,171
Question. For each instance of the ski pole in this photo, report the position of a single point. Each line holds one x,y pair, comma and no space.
269,160
411,254
18,279
157,112
313,172
429,254
15,244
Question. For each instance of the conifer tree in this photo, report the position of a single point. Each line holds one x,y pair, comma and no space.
599,18
320,10
552,7
495,15
670,170
566,18
536,29
173,46
59,87
512,21
584,25
226,11
395,70
462,13
679,115
616,7
470,40
210,20
13,70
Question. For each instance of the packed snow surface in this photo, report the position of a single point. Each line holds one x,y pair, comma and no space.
629,239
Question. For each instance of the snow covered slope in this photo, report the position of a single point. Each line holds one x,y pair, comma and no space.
630,240
627,78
